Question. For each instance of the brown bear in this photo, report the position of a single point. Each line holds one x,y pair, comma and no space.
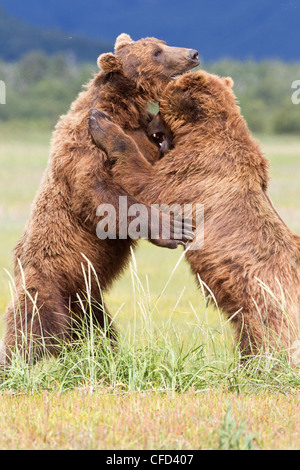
250,260
60,235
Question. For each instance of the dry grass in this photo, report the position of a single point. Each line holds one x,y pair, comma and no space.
149,420
221,407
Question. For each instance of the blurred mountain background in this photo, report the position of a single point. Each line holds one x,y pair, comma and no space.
238,29
18,37
47,50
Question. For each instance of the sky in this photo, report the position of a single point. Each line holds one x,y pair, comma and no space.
239,28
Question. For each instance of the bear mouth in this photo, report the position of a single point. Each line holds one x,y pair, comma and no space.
177,75
163,142
158,138
160,135
194,61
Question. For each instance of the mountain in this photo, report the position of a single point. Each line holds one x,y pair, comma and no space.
238,29
18,37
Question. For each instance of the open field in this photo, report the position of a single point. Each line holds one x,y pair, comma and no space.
151,420
180,396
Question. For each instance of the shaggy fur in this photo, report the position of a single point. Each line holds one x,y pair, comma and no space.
250,260
63,220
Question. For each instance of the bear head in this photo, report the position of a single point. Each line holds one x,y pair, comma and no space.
148,62
198,98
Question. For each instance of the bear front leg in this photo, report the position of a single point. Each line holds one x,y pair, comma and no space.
127,160
123,154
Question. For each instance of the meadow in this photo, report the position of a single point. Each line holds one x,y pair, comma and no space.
176,381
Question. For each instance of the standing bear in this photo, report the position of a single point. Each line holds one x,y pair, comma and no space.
62,225
250,260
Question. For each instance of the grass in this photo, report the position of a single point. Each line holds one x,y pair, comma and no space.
176,381
149,420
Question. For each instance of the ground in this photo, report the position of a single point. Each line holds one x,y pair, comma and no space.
165,421
196,416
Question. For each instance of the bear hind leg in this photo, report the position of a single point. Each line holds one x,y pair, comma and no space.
35,326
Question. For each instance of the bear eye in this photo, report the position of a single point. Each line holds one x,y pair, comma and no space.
157,52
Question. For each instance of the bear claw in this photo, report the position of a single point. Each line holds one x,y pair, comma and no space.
98,114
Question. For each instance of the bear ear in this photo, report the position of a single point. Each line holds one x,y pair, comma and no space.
228,81
122,40
109,63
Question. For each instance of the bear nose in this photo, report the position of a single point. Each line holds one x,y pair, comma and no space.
194,55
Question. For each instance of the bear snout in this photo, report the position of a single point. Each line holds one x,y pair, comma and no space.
194,56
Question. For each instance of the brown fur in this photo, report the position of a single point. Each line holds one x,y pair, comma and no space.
216,162
62,224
